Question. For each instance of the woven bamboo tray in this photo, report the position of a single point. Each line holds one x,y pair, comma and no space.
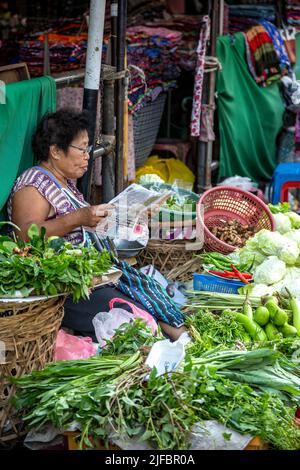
167,255
28,335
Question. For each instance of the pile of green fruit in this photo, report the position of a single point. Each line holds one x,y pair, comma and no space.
277,320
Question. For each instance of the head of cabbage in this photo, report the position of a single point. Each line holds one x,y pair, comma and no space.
272,270
283,223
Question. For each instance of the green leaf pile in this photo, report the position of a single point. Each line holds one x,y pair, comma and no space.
48,266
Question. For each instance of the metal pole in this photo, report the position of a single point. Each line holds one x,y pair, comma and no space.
47,68
114,31
120,92
108,129
212,86
108,162
221,19
92,80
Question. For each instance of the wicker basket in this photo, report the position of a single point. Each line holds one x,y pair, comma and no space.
185,272
221,204
146,124
28,334
165,255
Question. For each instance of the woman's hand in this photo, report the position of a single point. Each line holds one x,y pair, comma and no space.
90,216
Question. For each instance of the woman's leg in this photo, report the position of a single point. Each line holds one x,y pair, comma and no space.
172,332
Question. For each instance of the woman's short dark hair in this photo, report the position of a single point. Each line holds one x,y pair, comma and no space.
59,128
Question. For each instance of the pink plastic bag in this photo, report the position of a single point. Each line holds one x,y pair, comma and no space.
73,347
137,312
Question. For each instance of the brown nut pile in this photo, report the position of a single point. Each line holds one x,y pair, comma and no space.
233,232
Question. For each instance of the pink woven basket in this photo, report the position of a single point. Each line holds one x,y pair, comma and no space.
221,204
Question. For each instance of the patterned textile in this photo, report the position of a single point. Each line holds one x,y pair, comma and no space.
48,189
262,58
199,76
145,290
278,43
207,123
150,55
293,13
241,17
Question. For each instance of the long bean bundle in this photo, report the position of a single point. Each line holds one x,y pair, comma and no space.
218,301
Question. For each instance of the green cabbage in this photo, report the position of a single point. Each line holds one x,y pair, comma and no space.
294,235
271,271
294,219
291,280
249,257
283,223
270,243
289,252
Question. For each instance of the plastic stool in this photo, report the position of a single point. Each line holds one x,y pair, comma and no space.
285,176
284,194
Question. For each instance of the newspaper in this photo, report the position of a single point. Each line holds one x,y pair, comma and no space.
129,218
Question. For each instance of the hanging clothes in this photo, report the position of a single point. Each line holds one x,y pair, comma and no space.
279,46
199,77
262,58
250,117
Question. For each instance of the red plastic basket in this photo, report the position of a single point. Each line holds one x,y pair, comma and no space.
219,205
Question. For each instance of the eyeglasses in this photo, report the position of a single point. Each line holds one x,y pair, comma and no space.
86,150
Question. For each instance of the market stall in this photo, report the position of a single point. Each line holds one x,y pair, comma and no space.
231,376
222,268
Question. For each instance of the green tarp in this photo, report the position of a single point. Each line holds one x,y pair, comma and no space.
26,102
250,117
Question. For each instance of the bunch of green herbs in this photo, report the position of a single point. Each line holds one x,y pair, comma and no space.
44,266
209,330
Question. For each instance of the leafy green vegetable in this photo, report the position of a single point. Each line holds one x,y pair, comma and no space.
109,392
282,207
178,203
48,267
130,337
209,330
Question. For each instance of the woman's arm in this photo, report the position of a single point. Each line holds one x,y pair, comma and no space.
30,207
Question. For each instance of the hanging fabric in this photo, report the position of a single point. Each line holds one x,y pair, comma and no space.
199,77
279,46
26,102
250,117
262,58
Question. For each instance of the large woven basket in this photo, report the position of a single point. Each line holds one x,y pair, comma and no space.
28,332
146,124
167,255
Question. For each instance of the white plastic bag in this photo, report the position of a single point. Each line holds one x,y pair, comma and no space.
242,182
166,356
106,323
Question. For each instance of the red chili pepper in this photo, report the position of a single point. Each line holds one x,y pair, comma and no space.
239,275
230,274
219,273
246,275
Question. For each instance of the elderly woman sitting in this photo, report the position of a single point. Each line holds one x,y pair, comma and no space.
46,195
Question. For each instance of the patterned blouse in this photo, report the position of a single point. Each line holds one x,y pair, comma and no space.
48,189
